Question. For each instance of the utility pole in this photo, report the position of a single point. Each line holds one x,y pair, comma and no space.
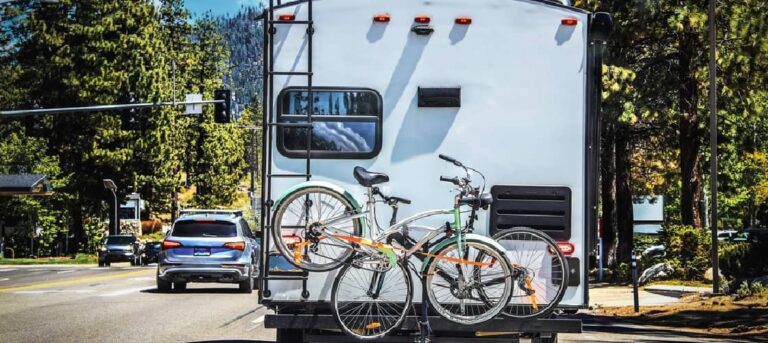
713,142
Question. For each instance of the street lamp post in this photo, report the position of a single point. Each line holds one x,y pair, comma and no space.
110,185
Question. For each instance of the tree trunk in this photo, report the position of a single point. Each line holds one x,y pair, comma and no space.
624,215
608,192
78,231
690,136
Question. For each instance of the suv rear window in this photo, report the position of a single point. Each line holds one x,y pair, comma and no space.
204,229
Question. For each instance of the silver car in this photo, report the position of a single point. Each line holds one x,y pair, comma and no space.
209,246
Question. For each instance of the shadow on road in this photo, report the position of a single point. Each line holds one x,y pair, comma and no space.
232,341
196,291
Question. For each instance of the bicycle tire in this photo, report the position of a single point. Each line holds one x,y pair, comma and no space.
558,267
489,302
323,255
363,316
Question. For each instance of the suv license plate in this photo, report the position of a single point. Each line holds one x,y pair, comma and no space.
202,252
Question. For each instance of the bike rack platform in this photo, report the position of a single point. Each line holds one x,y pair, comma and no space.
498,329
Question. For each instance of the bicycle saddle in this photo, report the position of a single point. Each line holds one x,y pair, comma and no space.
369,179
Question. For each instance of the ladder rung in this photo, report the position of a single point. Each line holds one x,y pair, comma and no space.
290,175
291,124
305,22
306,73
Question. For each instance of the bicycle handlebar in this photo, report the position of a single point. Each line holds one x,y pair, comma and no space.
450,159
453,180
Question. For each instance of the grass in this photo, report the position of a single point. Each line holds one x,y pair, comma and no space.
79,259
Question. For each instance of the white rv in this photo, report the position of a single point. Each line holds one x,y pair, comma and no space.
506,86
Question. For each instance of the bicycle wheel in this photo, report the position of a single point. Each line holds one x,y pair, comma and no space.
470,286
539,272
299,237
368,303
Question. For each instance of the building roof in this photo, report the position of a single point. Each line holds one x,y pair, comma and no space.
24,184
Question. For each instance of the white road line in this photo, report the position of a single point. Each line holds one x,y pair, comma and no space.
143,278
130,268
258,321
65,271
78,291
126,291
7,270
4,279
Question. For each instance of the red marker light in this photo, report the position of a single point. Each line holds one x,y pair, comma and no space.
463,20
422,19
286,17
381,18
566,248
569,21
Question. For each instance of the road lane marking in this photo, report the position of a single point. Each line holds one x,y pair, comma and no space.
7,270
46,291
65,271
258,321
73,282
143,278
4,279
126,291
131,268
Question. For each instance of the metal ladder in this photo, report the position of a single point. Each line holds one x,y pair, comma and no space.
270,126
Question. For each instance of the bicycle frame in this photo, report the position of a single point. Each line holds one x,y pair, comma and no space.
376,241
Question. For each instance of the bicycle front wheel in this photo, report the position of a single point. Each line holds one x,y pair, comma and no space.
468,286
539,272
299,235
369,303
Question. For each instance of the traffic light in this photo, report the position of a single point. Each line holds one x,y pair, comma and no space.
130,117
222,112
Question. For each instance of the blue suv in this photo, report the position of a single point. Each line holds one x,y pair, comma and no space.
209,246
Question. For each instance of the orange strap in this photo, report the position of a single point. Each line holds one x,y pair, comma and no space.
529,284
297,255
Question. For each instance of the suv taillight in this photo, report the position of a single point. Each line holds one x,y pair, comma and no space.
168,244
235,245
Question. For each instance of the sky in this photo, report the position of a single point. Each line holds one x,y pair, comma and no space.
217,7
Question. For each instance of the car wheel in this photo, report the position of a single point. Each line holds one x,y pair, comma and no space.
179,286
246,286
101,263
107,263
163,285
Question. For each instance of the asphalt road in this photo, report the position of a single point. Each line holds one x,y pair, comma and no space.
120,304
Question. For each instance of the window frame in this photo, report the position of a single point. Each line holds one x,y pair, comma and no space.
375,118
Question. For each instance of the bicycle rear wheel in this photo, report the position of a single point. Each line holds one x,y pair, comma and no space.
539,272
300,238
368,303
469,286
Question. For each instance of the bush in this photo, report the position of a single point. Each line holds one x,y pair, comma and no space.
688,250
744,260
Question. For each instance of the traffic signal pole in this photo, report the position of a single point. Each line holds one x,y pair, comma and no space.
99,108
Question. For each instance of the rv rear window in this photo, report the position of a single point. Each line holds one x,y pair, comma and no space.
346,123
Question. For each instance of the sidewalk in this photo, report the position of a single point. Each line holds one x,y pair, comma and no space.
617,296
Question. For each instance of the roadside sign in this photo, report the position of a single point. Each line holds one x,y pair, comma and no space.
194,108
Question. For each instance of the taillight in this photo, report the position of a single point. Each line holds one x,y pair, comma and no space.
566,248
235,245
569,21
381,18
286,17
168,244
291,240
422,19
463,20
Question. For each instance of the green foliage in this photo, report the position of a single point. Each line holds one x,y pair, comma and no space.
688,250
754,289
743,260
